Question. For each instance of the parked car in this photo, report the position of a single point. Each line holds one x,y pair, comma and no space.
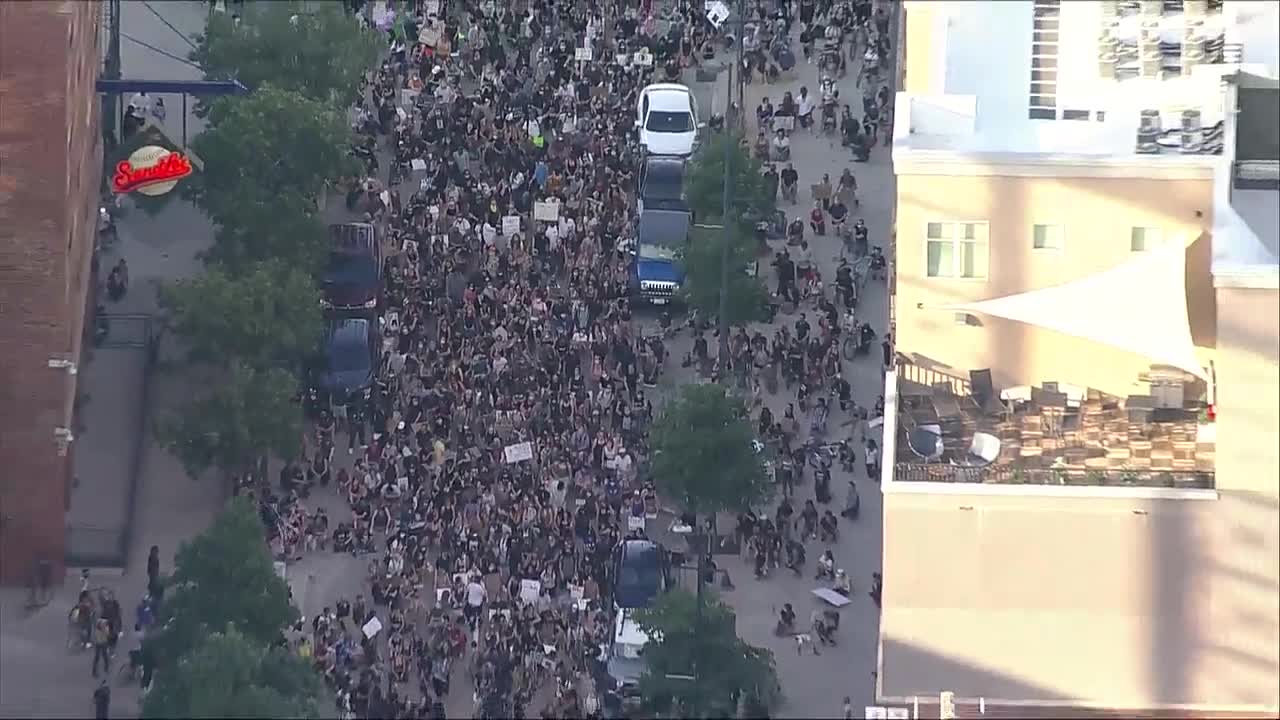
661,184
667,118
353,277
351,354
641,572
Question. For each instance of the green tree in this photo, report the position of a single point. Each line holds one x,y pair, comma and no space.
704,184
224,577
280,228
701,261
703,457
251,414
268,316
728,671
275,148
228,675
317,50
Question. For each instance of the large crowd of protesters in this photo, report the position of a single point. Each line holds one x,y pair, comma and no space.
499,457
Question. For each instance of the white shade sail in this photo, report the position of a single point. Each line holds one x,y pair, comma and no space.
1139,306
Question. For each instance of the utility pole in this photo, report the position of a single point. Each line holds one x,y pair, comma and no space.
110,102
729,134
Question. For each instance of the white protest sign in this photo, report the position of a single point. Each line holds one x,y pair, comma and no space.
518,452
582,54
643,58
408,246
547,211
371,628
635,523
408,96
429,36
717,13
418,165
622,59
431,7
529,591
510,225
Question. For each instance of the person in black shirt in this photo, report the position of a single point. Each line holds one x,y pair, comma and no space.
790,183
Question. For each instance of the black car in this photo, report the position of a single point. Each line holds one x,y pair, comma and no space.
351,353
661,184
353,277
642,572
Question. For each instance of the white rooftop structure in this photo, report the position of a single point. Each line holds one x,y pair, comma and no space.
1246,214
1069,78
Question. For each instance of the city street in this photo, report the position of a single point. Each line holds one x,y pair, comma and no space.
39,677
816,686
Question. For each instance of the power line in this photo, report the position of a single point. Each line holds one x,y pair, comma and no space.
165,53
169,25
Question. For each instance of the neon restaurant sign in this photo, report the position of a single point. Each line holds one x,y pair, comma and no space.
150,170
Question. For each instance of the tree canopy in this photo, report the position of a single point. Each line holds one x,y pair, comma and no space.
701,260
235,422
271,146
704,184
703,457
228,675
284,228
726,666
266,316
315,49
223,577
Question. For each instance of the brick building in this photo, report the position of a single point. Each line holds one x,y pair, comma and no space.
50,170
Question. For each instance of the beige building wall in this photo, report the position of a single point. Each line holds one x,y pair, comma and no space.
1123,603
1096,214
922,48
1248,372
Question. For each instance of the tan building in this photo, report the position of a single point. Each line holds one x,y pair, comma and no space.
1093,524
50,168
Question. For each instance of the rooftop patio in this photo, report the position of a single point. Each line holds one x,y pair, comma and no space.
964,431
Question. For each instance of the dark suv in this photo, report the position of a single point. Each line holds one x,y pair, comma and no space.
352,351
353,277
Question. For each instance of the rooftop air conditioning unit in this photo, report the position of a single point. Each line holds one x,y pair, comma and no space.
1195,9
1109,11
1108,54
1150,58
1151,8
1193,48
1149,129
1192,133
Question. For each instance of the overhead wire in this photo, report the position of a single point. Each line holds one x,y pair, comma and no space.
157,50
169,25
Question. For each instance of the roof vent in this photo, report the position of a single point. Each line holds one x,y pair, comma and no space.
1193,45
1108,53
1150,58
1149,129
1192,133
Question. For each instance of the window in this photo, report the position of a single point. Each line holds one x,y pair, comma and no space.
1046,237
956,250
1142,239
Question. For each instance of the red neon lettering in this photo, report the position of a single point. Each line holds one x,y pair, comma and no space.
127,178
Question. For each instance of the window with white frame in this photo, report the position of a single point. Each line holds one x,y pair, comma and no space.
1143,239
956,250
1046,237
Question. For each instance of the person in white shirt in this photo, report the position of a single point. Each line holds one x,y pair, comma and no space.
476,595
141,104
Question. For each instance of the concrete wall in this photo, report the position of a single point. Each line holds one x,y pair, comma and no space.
1097,214
922,47
50,167
1105,601
1248,361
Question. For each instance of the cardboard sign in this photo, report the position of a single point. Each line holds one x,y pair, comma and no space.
529,591
510,225
546,211
429,36
518,452
371,628
784,122
582,54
